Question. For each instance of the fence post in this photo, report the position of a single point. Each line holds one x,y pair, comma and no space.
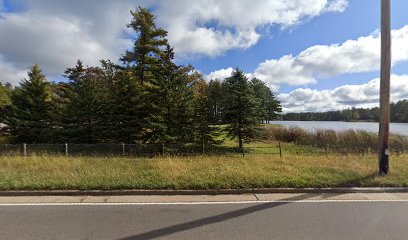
123,149
66,149
203,147
280,150
162,149
24,149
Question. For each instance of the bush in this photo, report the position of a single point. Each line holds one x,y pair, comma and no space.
398,143
348,141
291,134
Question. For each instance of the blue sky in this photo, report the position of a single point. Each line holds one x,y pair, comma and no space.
325,29
361,18
316,55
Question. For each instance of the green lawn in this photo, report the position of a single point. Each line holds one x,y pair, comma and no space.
256,170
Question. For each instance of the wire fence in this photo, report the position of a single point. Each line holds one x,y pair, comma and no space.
130,149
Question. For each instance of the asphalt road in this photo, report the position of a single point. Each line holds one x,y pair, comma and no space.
267,220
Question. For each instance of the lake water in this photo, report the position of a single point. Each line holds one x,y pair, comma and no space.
398,128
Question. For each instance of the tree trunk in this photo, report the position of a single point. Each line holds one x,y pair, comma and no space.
89,131
240,140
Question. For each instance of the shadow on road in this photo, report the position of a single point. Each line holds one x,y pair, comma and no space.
213,219
238,213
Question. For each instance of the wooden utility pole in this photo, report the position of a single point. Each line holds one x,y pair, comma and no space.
383,152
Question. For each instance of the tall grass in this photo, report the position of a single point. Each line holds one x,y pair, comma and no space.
197,172
348,141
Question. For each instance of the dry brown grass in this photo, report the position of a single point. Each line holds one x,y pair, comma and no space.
200,172
348,141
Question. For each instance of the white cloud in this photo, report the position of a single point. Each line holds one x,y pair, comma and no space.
212,27
347,96
48,43
56,33
219,74
10,73
283,71
325,61
337,6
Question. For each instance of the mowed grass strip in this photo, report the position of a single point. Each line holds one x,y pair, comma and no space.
199,172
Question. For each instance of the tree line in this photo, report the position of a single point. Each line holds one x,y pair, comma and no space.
147,98
398,113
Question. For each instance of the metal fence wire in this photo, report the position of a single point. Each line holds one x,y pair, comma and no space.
121,149
11,149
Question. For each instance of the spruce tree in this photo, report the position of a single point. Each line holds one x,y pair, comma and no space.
30,117
126,112
170,116
269,105
81,119
241,108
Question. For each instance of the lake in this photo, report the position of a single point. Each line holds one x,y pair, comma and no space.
398,128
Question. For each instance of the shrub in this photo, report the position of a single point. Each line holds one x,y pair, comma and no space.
348,141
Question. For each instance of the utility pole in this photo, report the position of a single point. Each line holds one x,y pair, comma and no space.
383,152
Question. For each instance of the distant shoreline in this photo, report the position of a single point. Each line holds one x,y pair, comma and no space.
395,127
329,121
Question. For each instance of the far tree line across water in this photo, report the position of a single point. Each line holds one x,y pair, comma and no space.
147,98
398,113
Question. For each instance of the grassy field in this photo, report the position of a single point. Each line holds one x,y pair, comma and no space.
200,172
301,165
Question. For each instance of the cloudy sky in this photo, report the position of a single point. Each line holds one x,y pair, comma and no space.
316,55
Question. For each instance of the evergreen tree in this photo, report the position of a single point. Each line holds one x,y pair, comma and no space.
240,108
269,105
203,132
148,98
148,65
126,109
170,115
30,117
5,104
82,118
5,101
214,93
5,95
148,46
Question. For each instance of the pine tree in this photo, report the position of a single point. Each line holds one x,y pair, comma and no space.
30,117
145,63
148,47
203,132
269,105
214,93
240,108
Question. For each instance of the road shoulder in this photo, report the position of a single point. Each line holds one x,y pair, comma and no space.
204,199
